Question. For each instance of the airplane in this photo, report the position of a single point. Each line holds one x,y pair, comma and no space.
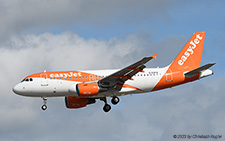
81,88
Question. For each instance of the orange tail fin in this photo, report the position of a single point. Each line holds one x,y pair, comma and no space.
188,59
190,56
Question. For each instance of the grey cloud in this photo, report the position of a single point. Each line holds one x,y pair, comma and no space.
69,51
63,50
22,16
167,50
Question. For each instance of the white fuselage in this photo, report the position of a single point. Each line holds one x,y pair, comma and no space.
55,87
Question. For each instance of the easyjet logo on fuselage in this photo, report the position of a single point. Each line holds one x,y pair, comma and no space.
70,74
190,49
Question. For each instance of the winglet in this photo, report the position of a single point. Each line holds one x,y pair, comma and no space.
154,56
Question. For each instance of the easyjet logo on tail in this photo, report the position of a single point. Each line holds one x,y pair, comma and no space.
190,49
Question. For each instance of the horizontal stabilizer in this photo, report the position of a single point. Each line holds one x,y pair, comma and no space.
198,70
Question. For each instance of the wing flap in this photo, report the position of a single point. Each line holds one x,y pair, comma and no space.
125,74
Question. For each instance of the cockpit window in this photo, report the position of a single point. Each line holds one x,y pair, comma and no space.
27,79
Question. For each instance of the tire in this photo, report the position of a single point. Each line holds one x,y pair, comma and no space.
106,108
44,107
115,100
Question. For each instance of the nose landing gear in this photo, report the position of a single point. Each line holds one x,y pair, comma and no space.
44,106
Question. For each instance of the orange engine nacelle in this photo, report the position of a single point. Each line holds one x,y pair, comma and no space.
76,102
87,89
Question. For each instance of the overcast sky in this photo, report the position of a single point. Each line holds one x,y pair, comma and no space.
85,34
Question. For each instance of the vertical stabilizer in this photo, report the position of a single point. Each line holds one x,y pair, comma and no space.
187,60
190,56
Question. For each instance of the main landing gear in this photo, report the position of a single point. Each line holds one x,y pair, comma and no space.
115,100
107,107
44,106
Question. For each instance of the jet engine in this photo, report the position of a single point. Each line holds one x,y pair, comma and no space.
87,89
76,102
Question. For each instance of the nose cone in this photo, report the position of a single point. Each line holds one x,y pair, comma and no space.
18,89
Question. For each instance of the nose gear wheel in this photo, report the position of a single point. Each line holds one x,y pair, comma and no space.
44,106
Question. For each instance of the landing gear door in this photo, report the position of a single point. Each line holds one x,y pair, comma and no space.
44,80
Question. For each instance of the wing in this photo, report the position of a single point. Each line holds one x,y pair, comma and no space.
117,79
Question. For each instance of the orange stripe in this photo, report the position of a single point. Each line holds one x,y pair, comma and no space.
129,86
177,79
135,69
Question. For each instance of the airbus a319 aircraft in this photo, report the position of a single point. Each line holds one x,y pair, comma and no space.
83,88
